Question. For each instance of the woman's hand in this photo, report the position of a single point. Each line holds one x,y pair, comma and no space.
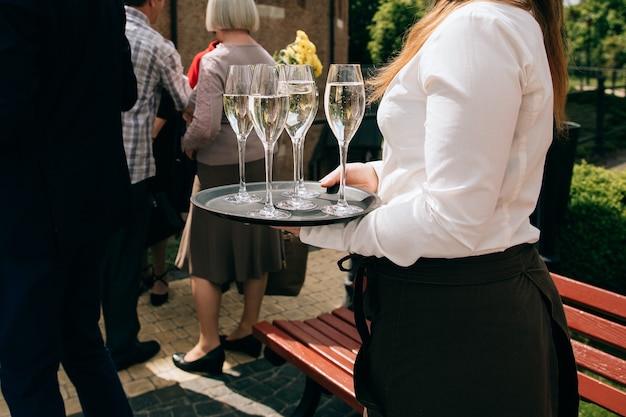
188,114
191,153
357,175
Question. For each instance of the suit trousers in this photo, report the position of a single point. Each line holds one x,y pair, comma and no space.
49,312
122,276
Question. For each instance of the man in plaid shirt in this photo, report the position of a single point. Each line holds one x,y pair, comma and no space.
157,65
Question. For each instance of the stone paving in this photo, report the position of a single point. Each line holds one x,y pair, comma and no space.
248,387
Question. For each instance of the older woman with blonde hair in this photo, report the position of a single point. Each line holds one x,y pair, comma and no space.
213,250
465,318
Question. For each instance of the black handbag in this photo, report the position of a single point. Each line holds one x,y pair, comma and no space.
290,279
165,221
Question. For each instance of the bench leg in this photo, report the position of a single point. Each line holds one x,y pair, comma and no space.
310,399
272,357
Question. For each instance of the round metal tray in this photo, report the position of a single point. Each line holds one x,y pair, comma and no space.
212,200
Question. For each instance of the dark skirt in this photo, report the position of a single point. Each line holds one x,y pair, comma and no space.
483,336
221,250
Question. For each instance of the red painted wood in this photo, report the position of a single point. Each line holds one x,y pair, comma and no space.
596,327
308,362
600,362
602,394
341,326
336,335
319,343
593,297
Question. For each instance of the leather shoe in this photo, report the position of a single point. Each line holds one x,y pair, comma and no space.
249,345
141,353
159,299
211,363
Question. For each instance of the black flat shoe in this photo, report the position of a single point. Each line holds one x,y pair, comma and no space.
159,299
211,363
249,345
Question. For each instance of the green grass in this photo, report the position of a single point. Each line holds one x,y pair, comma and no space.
172,250
592,410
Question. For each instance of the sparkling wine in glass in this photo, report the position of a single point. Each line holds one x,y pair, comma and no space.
302,190
269,104
302,110
236,108
344,105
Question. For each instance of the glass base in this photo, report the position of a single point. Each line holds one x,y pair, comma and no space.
299,204
242,198
337,210
270,214
303,193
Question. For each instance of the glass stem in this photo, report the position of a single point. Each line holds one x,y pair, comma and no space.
241,147
301,164
296,142
269,160
343,159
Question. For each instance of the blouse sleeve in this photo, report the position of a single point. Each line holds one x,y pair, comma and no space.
207,115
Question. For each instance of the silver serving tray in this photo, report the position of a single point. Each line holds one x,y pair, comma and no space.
212,200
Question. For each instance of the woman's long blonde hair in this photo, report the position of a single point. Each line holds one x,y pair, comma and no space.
549,15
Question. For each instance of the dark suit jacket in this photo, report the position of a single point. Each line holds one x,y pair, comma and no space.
65,76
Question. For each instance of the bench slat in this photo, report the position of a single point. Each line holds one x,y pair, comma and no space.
336,335
318,342
596,327
345,315
602,394
308,362
341,326
588,295
600,362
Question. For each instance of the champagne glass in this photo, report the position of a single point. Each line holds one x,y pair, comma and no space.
302,190
302,110
237,112
269,104
344,105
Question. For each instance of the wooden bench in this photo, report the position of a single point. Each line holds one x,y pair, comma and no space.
324,348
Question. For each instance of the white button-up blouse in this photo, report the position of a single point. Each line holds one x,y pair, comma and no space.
466,125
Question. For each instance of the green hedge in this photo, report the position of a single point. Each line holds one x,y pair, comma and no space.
592,238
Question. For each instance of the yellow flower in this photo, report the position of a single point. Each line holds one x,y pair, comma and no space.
301,51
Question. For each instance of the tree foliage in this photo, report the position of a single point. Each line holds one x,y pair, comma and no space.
596,31
361,14
389,25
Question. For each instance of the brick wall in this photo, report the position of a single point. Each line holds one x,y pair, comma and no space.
279,21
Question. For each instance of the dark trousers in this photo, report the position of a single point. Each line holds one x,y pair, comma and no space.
49,312
122,276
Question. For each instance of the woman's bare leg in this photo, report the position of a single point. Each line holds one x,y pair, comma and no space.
253,293
207,298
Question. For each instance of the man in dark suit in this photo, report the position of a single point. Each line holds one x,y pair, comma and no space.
65,76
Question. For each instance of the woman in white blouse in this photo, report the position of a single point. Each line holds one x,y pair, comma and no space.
465,318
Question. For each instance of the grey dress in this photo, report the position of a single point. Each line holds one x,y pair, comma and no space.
211,247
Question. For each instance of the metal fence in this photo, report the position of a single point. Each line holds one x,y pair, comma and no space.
586,78
604,81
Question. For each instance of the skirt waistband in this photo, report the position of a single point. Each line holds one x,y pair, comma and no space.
456,271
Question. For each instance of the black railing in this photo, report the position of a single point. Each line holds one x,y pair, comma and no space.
595,79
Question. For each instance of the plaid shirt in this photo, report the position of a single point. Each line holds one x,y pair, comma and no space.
157,65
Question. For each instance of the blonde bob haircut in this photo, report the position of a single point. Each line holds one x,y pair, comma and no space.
232,14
